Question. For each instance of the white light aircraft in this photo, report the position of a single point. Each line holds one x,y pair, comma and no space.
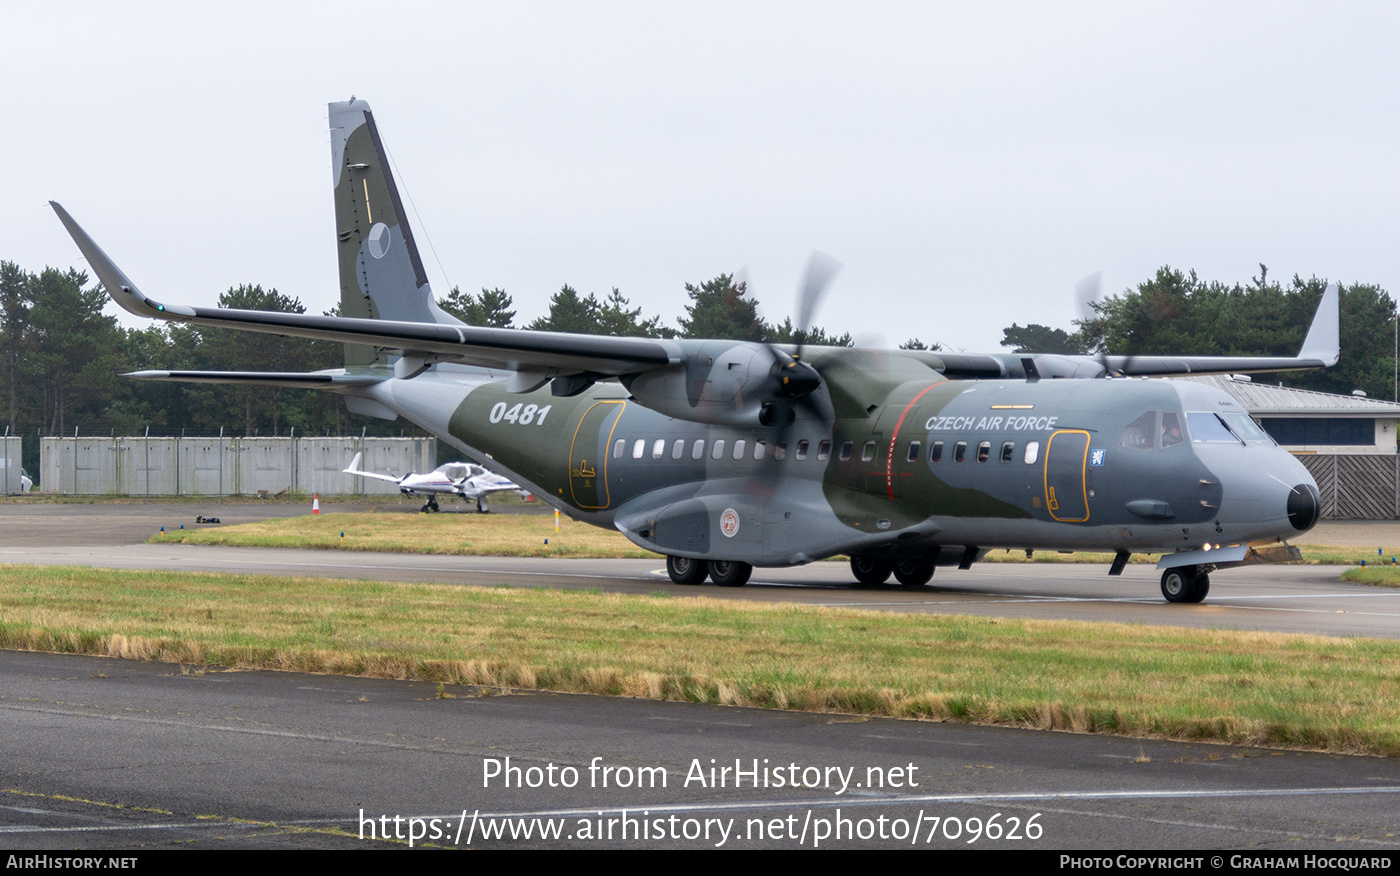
465,479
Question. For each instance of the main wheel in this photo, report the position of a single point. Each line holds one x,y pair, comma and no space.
871,570
914,572
684,570
729,573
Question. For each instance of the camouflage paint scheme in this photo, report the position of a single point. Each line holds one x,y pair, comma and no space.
623,432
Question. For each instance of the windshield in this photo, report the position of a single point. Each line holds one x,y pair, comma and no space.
1243,425
1208,427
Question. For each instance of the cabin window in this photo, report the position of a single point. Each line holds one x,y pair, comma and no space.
739,449
935,451
780,450
1138,434
1032,452
678,448
758,449
618,446
718,452
802,448
867,452
824,451
984,451
1008,451
639,448
698,451
913,454
960,451
658,448
846,448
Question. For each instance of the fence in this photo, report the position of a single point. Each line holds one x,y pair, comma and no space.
138,466
11,466
1356,487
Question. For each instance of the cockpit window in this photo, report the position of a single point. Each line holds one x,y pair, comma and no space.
1171,429
1208,428
1139,432
1243,425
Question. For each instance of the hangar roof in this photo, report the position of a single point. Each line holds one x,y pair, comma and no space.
1270,399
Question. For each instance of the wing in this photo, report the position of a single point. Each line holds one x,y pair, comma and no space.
536,357
718,382
1321,349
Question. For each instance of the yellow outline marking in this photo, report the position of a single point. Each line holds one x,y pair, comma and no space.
607,454
1083,480
368,209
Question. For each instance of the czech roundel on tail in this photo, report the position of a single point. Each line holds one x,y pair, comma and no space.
725,455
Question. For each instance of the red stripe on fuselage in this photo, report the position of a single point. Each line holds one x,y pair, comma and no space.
889,459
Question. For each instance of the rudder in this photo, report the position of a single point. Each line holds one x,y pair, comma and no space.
381,273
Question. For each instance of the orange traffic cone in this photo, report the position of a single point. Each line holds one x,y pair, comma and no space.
315,504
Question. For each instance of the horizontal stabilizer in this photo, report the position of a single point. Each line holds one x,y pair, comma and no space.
299,379
354,469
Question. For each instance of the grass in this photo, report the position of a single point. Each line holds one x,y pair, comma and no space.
1379,576
1332,694
504,535
518,535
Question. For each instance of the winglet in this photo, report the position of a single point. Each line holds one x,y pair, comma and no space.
122,290
354,467
1323,341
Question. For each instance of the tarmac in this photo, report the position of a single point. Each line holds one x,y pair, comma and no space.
107,754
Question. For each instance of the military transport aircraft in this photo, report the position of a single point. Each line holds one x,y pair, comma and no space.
465,479
725,455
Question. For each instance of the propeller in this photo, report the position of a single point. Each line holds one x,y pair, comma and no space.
1087,291
797,380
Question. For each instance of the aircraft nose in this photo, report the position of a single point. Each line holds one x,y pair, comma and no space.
1304,506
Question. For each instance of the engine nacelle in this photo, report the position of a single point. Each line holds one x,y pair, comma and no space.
724,383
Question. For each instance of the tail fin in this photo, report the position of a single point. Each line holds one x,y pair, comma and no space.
381,273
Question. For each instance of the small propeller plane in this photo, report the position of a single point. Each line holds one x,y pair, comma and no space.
725,455
465,479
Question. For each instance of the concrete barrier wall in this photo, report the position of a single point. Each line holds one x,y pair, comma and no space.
11,465
139,466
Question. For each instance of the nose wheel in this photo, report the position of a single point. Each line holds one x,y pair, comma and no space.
1185,584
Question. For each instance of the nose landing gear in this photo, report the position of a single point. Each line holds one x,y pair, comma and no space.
1186,583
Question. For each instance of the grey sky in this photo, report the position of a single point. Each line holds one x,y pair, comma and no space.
968,163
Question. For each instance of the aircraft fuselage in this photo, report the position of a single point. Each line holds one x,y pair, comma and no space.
1117,465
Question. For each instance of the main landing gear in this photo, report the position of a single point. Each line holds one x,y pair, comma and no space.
725,573
1186,583
873,571
430,505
